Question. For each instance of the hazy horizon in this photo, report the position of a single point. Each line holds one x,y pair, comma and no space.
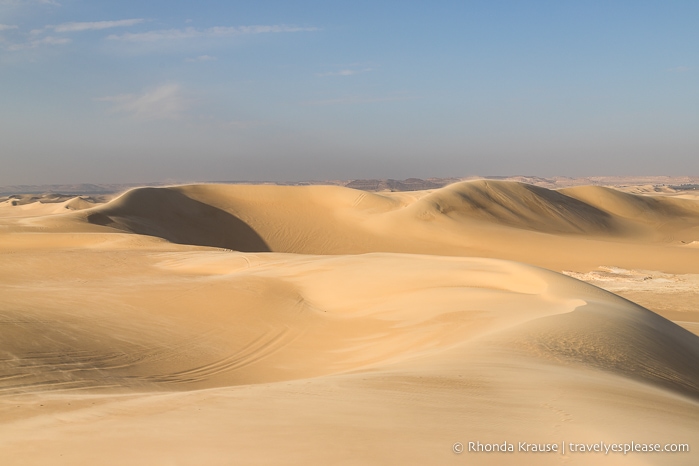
130,92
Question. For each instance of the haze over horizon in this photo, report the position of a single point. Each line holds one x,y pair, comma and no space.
130,91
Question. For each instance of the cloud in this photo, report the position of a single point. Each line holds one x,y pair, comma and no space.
52,41
94,25
201,58
86,26
48,40
25,42
357,100
244,124
28,2
62,28
679,69
218,31
165,102
347,72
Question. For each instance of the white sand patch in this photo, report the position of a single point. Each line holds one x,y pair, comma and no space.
618,279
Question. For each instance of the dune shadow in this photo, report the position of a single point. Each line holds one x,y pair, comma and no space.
628,341
171,215
528,207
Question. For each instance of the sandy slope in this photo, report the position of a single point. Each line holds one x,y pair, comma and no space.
350,328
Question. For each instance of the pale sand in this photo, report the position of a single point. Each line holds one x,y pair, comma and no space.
355,328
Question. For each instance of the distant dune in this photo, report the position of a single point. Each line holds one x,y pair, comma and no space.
478,218
655,184
241,324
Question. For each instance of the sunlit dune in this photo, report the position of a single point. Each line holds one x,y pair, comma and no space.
576,228
242,324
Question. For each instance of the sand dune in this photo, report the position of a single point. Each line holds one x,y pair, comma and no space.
171,215
260,320
583,210
664,215
214,324
519,206
481,218
32,206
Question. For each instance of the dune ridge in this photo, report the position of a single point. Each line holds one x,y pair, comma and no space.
591,211
475,219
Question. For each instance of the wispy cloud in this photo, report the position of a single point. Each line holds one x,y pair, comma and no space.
679,69
21,41
201,58
165,102
35,39
32,44
354,100
190,33
347,72
28,2
244,124
94,25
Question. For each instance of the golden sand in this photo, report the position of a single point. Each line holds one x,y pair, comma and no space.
219,324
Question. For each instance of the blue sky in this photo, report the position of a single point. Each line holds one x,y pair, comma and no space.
297,90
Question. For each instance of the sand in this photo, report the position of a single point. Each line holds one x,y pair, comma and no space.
219,324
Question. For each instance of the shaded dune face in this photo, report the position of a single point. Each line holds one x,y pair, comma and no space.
522,206
631,206
171,215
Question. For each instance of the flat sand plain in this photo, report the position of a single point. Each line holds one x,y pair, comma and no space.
220,325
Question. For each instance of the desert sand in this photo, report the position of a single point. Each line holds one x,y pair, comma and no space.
242,324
